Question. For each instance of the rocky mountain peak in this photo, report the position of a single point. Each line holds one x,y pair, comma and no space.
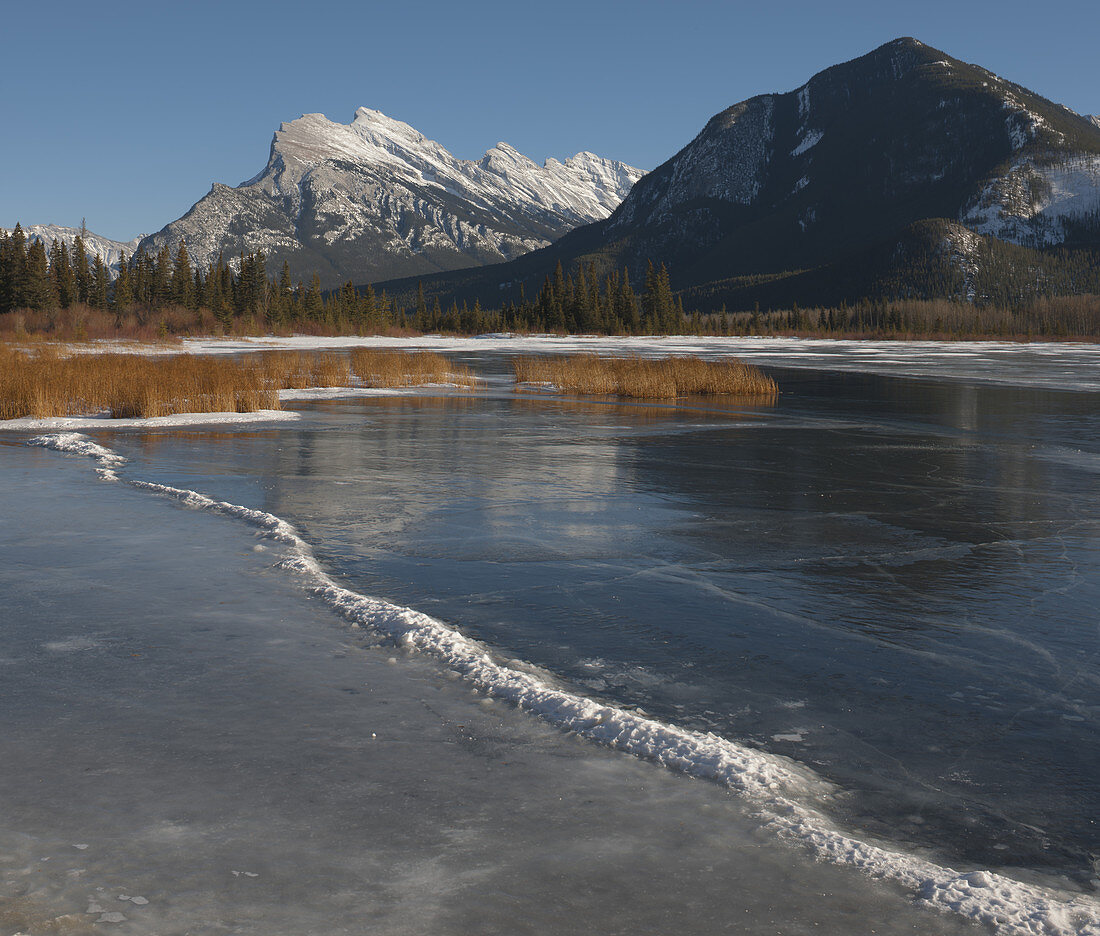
376,198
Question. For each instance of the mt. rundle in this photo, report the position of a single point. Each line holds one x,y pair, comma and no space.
903,173
375,199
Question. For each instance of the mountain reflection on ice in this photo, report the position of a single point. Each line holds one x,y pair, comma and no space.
892,580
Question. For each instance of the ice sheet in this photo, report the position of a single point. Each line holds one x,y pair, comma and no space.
781,791
193,745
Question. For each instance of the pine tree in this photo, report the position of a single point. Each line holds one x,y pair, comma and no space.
13,265
97,298
38,292
312,306
124,292
421,305
182,287
81,274
160,287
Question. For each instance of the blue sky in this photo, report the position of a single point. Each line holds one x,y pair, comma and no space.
125,114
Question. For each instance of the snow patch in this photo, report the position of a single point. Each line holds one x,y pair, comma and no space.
809,141
153,422
1031,203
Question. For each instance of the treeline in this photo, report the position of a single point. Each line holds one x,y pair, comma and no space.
164,294
583,303
1043,317
36,280
40,280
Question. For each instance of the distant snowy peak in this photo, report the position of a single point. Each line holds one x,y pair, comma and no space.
376,199
580,189
110,251
1095,120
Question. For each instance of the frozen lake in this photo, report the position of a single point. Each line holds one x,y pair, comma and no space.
889,577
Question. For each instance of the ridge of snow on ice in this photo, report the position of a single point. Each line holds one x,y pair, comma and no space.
778,787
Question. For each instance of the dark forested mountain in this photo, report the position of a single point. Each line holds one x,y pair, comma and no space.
834,185
376,199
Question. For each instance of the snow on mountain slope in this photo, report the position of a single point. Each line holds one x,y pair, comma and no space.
109,250
1031,203
376,198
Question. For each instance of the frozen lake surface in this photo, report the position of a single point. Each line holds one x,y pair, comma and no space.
890,580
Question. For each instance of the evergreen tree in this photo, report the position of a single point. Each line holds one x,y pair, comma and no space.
421,305
37,289
182,287
81,274
312,306
97,298
160,287
124,291
13,263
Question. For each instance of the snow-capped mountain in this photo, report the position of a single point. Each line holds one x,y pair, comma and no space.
375,199
111,251
829,180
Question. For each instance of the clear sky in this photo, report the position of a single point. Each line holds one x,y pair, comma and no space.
124,114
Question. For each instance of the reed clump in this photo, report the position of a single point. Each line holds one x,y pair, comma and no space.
381,368
42,383
38,380
296,370
644,378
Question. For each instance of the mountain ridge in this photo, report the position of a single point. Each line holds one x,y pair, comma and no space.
373,197
838,167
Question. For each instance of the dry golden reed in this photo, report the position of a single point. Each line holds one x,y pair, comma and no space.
297,370
380,368
42,383
644,378
38,381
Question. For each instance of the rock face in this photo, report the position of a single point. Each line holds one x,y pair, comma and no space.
376,199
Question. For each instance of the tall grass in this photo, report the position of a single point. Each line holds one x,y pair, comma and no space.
644,378
41,383
38,380
378,368
296,370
